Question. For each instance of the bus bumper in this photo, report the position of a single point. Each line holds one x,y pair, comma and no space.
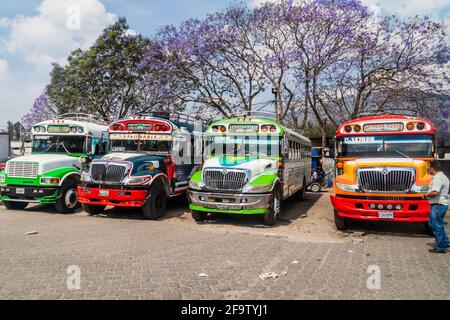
112,197
43,195
412,210
229,203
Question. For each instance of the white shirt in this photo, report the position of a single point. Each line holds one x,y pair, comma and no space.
440,184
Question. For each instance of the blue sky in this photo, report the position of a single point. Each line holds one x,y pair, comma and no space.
34,33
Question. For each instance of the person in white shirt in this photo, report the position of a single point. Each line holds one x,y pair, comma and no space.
438,198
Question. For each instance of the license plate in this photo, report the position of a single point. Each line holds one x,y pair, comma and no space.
385,215
104,193
222,207
20,191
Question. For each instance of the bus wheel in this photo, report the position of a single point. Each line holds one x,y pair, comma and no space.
339,222
93,209
428,229
68,199
199,215
316,187
13,205
270,217
156,204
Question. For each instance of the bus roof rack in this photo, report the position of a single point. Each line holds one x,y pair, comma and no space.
83,117
172,116
257,114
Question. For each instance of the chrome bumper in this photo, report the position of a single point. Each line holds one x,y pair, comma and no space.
227,201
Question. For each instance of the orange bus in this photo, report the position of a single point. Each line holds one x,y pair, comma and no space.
382,169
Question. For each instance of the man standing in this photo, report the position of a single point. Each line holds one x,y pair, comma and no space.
438,199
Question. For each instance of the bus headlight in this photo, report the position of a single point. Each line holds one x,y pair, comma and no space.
257,189
2,178
347,187
419,189
137,180
85,176
50,181
196,185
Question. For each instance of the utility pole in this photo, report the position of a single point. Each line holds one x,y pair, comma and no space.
275,93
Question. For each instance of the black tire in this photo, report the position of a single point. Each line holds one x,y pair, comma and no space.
155,206
316,187
340,222
199,215
270,217
13,205
93,209
68,199
428,229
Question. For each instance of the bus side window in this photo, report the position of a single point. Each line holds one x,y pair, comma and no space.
290,150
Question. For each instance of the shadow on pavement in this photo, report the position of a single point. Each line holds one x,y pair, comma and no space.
398,229
291,210
176,208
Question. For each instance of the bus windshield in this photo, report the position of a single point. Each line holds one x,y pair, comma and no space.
389,146
249,146
132,145
59,144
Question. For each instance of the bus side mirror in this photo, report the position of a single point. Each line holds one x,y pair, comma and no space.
441,154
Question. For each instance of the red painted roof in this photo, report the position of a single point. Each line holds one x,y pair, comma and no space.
386,117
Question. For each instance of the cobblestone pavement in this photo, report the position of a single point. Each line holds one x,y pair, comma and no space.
122,256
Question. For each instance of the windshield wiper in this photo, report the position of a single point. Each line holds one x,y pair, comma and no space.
401,153
62,144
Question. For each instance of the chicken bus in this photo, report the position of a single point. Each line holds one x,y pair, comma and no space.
252,164
51,173
149,160
382,169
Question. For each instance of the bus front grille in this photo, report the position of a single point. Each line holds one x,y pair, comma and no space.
108,172
19,169
386,179
225,180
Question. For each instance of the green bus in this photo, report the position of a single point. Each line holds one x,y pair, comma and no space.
251,165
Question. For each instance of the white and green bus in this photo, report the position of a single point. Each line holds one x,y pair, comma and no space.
51,173
252,164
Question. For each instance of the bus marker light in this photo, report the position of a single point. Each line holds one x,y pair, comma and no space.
340,165
410,126
420,126
357,128
348,129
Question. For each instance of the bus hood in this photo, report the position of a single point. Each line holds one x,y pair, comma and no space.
139,160
256,166
350,167
48,162
122,156
392,162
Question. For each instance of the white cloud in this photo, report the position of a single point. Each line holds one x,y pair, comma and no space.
4,22
410,7
59,27
4,70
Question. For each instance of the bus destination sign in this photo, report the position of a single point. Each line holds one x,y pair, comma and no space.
243,128
58,129
384,127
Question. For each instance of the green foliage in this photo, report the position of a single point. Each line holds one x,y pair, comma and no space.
106,79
